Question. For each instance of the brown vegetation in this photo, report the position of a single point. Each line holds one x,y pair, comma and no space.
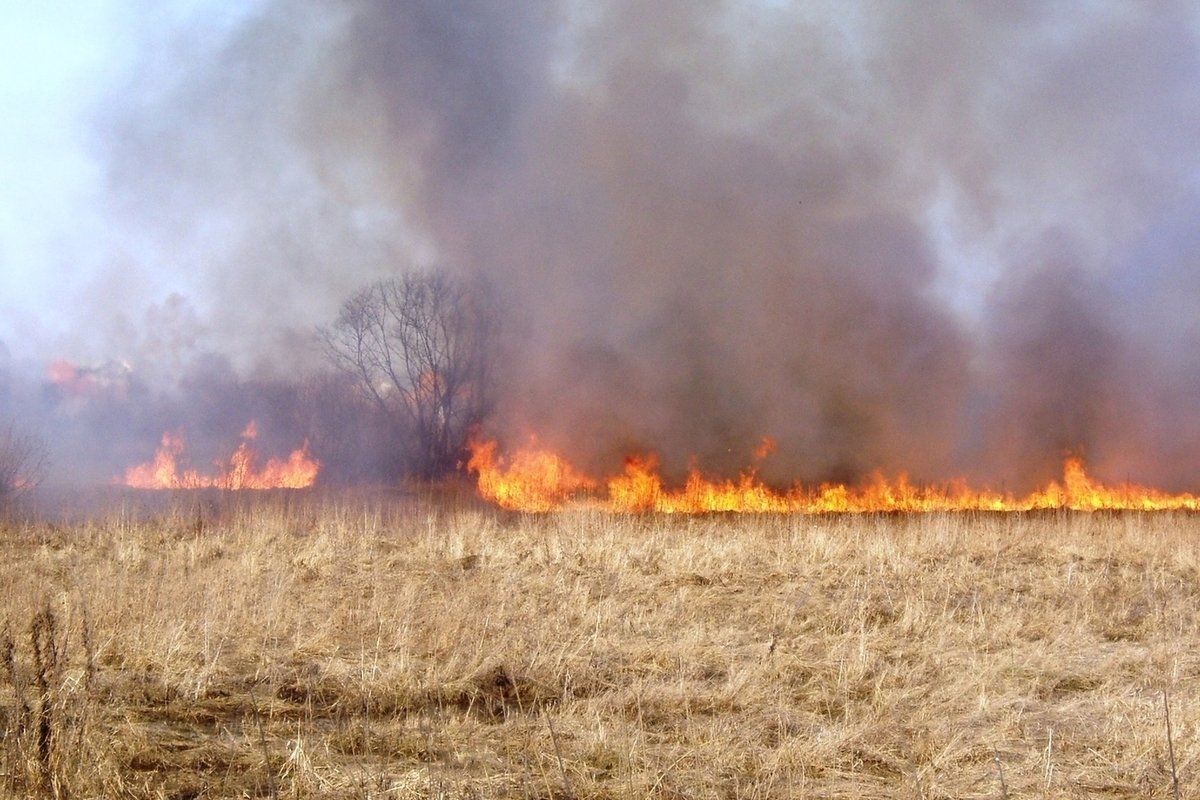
319,651
22,464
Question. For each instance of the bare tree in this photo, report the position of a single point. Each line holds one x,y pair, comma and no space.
22,463
347,431
418,347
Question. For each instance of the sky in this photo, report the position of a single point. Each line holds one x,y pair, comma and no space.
60,65
50,63
946,238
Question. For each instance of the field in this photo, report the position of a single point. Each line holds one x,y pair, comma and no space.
308,648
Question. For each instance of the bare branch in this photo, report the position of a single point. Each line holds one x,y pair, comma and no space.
22,463
418,346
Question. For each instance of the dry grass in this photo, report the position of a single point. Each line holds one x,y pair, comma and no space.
324,652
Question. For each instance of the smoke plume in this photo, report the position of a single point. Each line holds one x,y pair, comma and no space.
939,238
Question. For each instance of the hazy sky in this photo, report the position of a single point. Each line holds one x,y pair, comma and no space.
939,236
53,60
63,64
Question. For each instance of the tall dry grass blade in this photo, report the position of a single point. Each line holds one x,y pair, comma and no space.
562,770
89,651
43,639
262,738
1049,771
20,723
1170,744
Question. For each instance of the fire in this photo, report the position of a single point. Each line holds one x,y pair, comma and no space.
536,480
240,471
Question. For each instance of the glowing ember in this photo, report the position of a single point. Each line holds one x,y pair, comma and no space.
297,471
538,481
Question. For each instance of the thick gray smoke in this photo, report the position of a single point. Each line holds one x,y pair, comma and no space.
952,239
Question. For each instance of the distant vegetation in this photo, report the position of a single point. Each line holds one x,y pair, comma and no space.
22,463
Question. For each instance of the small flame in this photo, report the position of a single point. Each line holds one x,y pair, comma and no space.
537,480
297,471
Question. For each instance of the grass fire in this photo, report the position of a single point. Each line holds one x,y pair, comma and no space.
599,399
240,472
537,480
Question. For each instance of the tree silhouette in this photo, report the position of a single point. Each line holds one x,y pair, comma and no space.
418,346
22,463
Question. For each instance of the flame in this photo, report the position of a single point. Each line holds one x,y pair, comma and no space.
75,385
239,472
537,480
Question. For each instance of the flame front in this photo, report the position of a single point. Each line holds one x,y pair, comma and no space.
537,480
534,480
239,472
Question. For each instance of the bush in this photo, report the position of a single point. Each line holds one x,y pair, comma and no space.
22,463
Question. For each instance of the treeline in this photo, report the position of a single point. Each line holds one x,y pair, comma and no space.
407,376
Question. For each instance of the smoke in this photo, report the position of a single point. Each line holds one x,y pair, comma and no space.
938,238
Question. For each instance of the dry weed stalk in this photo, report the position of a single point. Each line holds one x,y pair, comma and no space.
266,752
1170,744
1000,774
47,676
51,750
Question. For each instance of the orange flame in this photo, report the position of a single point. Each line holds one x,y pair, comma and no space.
537,480
297,471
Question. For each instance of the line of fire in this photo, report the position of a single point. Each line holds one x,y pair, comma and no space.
537,480
413,376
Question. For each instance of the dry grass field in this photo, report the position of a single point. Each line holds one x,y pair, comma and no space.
310,649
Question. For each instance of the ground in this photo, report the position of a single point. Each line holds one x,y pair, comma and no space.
306,647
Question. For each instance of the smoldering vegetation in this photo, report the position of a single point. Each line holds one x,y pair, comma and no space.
934,239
